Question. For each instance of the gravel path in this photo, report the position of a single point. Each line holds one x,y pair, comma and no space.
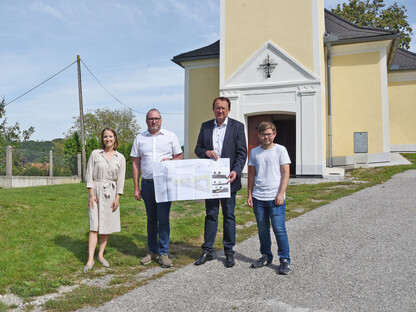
355,254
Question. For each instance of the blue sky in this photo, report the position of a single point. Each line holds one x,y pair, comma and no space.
126,44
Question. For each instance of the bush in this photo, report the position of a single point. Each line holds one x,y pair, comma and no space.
34,171
125,149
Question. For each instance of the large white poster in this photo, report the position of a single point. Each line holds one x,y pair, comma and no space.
191,179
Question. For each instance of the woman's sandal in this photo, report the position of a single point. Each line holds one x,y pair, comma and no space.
88,268
104,263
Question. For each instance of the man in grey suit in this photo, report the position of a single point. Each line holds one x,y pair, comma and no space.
222,137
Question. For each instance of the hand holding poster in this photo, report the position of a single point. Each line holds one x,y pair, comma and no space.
191,179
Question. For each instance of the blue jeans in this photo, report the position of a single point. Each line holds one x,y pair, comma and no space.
266,211
212,207
157,220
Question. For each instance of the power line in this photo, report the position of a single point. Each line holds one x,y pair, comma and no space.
113,96
40,84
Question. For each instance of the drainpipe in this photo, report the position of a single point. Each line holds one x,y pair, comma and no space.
329,106
328,39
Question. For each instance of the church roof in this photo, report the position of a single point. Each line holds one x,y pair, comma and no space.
348,32
339,30
404,60
207,52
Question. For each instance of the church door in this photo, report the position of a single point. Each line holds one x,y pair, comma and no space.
286,133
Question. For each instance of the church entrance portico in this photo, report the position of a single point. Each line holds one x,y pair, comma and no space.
297,115
289,95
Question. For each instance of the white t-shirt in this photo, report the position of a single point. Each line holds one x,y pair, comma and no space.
153,148
268,175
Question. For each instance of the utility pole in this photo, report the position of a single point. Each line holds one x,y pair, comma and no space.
81,121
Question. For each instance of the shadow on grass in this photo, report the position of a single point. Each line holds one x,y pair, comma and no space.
126,246
184,249
133,246
78,247
123,244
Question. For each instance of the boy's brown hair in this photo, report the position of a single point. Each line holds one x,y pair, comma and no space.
264,125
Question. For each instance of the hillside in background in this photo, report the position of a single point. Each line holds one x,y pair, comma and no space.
38,151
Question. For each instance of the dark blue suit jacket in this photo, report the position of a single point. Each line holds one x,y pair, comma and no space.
234,146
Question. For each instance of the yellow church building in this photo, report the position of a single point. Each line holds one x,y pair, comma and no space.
333,89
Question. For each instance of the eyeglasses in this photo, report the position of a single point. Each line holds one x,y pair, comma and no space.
266,134
154,119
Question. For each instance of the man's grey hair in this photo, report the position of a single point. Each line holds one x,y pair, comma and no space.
153,110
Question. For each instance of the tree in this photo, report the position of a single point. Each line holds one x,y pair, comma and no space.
72,147
11,135
369,13
122,121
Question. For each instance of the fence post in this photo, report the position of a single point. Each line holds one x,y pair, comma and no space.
50,164
9,161
79,164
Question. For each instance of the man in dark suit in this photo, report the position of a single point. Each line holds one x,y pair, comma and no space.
222,137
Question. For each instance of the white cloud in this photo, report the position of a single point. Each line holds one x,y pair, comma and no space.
413,42
42,7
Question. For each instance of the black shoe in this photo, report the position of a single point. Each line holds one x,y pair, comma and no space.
229,260
261,262
284,267
204,258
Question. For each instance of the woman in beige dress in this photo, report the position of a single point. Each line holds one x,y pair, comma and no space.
105,181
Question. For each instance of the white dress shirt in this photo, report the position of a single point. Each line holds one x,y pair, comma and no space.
218,136
153,148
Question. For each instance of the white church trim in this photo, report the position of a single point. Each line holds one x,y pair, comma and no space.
288,71
291,89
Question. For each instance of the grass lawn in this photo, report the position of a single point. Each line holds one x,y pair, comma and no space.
44,234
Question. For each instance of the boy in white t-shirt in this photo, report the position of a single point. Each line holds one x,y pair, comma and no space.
268,177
